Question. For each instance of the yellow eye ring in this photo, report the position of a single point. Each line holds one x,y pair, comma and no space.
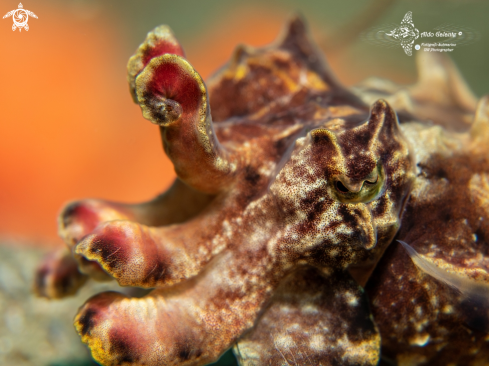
370,182
370,189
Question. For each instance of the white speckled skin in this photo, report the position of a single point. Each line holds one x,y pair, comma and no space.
290,194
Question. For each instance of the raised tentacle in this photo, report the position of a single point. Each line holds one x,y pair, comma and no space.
158,42
313,319
173,95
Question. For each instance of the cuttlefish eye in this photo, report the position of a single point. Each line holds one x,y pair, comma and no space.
340,187
365,191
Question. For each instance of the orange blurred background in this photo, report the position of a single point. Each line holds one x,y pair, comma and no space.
68,126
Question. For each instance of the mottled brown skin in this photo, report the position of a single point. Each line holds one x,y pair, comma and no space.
424,321
301,324
283,207
78,219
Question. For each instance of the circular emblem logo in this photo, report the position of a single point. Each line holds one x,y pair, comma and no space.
20,18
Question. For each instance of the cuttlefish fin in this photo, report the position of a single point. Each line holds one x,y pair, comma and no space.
470,289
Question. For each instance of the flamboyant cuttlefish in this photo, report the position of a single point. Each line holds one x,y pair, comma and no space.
309,224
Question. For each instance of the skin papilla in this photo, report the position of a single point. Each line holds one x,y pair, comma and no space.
291,193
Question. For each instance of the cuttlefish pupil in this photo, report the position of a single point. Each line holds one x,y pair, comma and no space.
364,191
